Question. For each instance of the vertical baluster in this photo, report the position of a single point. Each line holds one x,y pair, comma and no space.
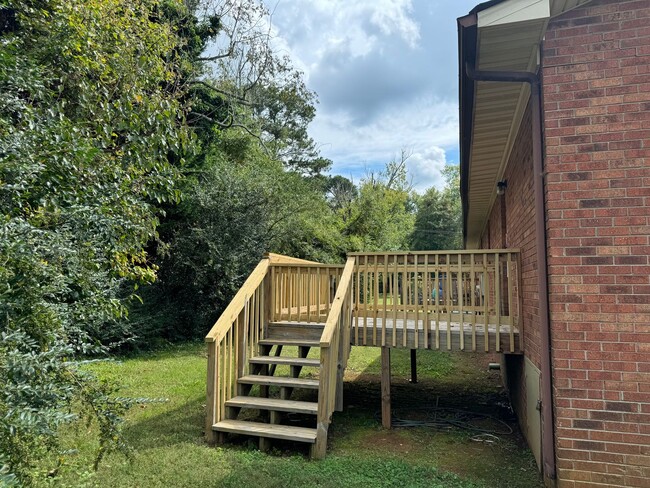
328,291
510,300
416,301
310,276
227,366
357,291
438,287
486,300
395,298
365,300
211,412
497,299
375,301
426,297
405,300
385,307
472,287
218,375
461,296
252,325
319,296
449,301
290,287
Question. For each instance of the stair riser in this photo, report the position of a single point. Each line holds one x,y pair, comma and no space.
233,411
294,331
281,362
281,382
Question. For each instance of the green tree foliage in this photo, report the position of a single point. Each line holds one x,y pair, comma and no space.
438,218
91,115
254,184
241,82
241,205
382,217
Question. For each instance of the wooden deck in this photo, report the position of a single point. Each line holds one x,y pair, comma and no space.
441,300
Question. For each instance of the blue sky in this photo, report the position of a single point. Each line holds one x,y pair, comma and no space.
386,76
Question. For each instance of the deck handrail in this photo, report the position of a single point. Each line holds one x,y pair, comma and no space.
234,308
233,339
443,252
282,259
334,352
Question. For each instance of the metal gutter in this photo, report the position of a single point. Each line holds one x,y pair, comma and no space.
548,439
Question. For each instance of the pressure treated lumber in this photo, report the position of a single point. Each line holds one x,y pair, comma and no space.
278,405
280,381
385,388
289,342
274,431
287,361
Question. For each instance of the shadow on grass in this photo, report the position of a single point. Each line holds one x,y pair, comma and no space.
169,427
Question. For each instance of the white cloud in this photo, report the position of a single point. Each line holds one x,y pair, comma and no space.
425,127
318,28
425,168
394,16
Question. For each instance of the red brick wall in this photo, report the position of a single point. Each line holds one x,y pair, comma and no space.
520,233
596,69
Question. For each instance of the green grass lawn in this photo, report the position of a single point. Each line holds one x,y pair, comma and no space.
169,450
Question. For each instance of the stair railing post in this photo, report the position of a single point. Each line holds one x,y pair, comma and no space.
210,418
322,420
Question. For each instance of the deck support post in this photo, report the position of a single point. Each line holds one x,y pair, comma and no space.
414,368
385,387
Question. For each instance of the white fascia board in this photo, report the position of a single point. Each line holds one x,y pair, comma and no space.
513,11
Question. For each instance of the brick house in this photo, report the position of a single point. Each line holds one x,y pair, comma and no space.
555,161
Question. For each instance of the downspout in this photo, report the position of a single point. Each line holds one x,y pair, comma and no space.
548,440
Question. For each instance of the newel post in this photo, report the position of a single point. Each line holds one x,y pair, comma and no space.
211,400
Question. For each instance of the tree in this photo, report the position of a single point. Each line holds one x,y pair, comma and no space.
91,120
382,216
438,218
238,81
241,205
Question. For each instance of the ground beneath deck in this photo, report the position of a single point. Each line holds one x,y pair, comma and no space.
475,445
472,432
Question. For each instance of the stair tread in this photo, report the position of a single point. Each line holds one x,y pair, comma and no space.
315,325
292,361
294,406
290,342
276,431
279,381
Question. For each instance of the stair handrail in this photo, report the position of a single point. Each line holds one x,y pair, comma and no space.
232,339
236,305
334,352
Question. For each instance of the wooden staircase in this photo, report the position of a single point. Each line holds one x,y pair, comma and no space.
260,345
273,398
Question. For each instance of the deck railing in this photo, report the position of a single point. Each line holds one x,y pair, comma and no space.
303,291
334,353
460,300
